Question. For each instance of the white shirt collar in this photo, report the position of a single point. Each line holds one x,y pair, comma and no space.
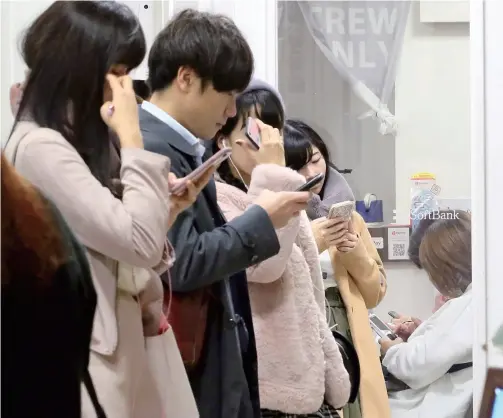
175,125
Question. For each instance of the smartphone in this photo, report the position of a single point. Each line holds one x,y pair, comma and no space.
253,132
394,314
380,328
308,185
214,161
342,210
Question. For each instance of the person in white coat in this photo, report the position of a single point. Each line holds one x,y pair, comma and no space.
435,361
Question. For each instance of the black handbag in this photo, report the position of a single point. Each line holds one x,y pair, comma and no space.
351,363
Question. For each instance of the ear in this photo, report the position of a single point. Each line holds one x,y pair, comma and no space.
185,78
222,142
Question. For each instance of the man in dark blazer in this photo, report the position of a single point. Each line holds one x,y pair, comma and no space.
197,66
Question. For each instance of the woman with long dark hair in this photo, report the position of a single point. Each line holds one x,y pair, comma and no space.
76,95
352,259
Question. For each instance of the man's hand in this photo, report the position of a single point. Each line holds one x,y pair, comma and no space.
386,344
179,203
282,206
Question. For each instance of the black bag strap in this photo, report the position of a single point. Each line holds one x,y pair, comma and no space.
393,384
351,363
88,382
460,366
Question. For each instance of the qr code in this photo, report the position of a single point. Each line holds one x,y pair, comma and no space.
398,250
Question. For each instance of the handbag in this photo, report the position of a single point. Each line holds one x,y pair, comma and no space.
188,315
351,363
370,208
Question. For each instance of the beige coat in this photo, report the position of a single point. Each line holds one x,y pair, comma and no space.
361,281
121,237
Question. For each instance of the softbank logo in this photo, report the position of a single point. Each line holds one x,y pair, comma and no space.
358,36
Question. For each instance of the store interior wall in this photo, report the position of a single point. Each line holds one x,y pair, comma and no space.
431,104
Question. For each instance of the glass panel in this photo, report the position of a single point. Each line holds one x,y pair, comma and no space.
316,93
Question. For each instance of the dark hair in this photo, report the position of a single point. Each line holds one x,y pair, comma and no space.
209,44
299,139
141,89
268,109
69,49
446,253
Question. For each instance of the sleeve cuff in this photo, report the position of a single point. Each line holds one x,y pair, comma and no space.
257,233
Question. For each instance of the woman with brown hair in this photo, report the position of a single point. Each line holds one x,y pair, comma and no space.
48,304
436,361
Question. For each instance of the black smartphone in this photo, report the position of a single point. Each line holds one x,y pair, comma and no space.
253,132
308,185
393,314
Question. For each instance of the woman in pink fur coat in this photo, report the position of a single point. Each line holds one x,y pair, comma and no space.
301,371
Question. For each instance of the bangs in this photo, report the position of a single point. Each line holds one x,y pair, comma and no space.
266,105
298,148
131,47
235,75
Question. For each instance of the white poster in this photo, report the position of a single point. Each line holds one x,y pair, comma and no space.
398,243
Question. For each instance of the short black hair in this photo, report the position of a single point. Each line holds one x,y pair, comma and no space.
69,49
299,139
208,43
268,108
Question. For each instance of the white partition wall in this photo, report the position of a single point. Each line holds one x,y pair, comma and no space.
257,19
487,184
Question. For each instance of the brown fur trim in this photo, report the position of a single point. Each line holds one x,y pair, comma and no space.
31,243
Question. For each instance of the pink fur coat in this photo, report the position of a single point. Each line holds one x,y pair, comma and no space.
299,363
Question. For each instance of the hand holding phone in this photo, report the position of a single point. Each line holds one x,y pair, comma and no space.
342,210
380,328
282,206
211,163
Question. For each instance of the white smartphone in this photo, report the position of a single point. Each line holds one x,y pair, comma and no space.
342,210
380,328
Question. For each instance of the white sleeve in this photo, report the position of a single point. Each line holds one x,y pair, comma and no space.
445,341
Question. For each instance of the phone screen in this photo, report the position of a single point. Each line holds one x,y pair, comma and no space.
214,160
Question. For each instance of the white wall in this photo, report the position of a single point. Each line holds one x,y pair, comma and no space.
487,181
432,105
15,18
